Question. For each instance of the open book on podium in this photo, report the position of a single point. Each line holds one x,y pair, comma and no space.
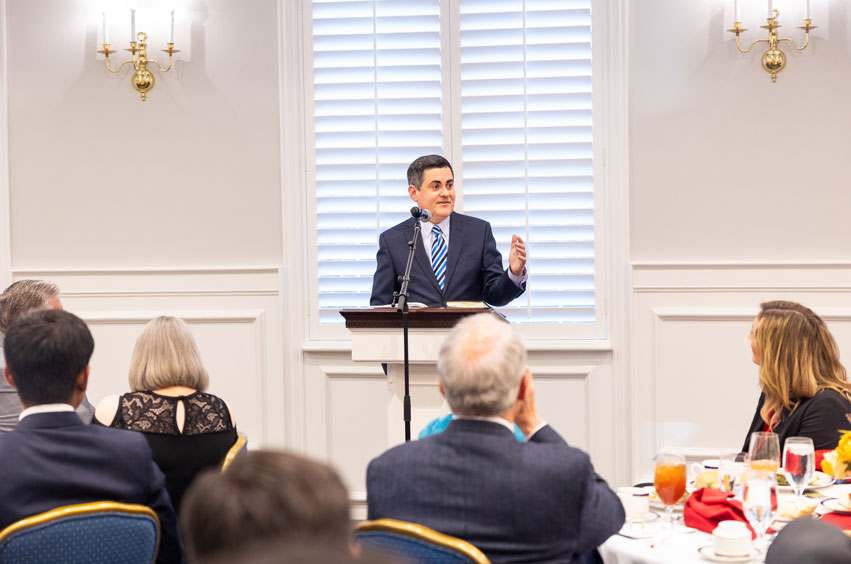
377,331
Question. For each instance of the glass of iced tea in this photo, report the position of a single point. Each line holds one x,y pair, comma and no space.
765,451
669,479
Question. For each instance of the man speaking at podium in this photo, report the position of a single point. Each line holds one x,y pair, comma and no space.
456,258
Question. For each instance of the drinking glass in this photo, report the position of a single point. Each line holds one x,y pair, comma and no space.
759,500
765,451
669,479
731,467
798,463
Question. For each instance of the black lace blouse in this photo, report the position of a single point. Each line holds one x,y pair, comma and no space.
208,433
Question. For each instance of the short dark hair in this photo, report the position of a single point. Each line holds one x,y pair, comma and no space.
45,352
422,164
265,495
22,297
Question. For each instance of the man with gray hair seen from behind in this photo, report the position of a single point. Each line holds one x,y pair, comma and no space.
538,501
21,298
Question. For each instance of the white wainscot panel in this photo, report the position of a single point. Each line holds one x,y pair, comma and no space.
354,410
695,386
234,315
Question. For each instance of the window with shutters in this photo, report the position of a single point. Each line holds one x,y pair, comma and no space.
503,89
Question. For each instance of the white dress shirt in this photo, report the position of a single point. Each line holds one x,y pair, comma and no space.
46,408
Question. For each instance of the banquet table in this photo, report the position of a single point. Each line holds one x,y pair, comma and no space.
681,545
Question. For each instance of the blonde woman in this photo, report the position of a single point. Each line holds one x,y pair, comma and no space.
804,388
187,429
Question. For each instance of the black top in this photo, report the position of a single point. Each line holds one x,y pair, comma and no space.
208,433
820,417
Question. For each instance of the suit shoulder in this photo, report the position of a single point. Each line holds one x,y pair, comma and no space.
403,226
122,438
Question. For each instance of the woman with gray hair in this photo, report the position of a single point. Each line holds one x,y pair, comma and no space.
187,429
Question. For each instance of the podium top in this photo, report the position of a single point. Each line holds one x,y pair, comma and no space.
426,318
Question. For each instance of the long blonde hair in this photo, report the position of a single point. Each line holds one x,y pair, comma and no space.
165,356
798,357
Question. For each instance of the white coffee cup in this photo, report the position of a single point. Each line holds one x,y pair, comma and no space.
731,538
636,502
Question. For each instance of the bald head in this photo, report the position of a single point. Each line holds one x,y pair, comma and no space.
481,364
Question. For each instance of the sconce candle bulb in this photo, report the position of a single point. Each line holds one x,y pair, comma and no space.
171,29
132,25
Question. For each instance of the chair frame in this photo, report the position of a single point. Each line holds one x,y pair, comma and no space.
413,530
238,446
94,508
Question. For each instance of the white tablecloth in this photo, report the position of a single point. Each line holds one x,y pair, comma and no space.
679,547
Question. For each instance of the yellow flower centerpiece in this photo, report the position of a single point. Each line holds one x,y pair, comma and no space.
837,462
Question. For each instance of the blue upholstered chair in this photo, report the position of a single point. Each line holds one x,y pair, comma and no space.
238,448
89,533
415,543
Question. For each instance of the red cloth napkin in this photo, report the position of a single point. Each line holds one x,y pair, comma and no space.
841,521
707,507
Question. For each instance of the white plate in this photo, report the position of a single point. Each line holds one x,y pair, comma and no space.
834,506
646,518
821,480
709,553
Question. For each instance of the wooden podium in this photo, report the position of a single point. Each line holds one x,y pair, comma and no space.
377,338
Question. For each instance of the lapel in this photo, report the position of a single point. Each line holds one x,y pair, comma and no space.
456,243
424,261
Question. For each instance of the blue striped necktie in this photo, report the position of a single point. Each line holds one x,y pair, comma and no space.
438,256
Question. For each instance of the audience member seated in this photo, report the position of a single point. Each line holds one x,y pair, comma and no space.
538,501
807,540
804,388
52,458
265,496
22,297
187,429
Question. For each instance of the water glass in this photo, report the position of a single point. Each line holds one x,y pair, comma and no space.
798,463
731,467
765,451
759,500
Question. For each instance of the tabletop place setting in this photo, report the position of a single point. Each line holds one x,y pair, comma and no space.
728,509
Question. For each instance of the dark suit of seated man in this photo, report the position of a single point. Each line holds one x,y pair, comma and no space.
469,264
538,501
52,458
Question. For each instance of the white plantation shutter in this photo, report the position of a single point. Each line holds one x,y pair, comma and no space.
526,127
523,127
377,106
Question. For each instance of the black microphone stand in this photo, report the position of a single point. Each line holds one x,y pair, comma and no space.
402,306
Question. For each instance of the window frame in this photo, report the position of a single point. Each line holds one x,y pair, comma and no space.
593,335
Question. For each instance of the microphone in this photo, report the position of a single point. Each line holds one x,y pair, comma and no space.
420,214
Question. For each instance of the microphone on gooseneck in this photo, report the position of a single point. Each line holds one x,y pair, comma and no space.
420,214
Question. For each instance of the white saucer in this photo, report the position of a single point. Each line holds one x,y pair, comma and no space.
835,507
709,553
646,518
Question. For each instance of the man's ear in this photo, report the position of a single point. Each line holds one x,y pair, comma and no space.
440,387
413,192
82,382
9,379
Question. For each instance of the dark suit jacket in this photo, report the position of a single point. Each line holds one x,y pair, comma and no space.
805,541
539,501
819,417
474,270
54,459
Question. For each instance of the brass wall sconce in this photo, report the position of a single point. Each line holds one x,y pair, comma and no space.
773,60
142,79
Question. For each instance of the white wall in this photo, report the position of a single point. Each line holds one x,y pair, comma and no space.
737,195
